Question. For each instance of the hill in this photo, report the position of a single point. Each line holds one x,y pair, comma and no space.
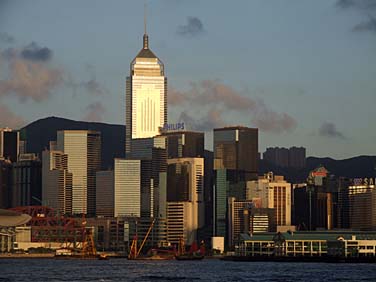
39,133
361,166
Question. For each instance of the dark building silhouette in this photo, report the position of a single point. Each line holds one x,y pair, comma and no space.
9,144
295,157
27,181
323,203
184,144
236,148
177,182
5,184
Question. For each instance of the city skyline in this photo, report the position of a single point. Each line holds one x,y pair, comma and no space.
250,79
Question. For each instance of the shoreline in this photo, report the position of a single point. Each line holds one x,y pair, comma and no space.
27,256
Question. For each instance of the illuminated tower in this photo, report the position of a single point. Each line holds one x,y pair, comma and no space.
146,96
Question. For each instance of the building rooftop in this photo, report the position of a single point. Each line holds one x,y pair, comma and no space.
240,127
11,218
312,235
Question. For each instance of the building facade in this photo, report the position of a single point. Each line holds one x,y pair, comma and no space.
272,192
27,181
83,148
127,190
56,182
146,96
238,219
236,148
9,144
5,184
185,194
362,204
294,157
105,193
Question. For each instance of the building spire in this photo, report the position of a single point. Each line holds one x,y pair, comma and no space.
146,37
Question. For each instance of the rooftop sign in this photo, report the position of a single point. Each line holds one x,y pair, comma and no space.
173,126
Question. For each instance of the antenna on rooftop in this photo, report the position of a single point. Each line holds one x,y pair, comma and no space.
145,17
146,38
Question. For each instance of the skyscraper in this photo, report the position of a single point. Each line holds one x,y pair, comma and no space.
127,192
184,144
9,144
185,199
146,96
83,148
27,181
56,181
5,184
105,193
236,148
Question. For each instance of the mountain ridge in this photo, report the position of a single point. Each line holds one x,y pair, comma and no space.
38,134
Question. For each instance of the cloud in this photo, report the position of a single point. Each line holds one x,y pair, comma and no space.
270,121
30,80
9,119
6,38
329,129
357,4
94,112
212,119
368,25
366,8
193,27
216,98
94,87
35,53
28,74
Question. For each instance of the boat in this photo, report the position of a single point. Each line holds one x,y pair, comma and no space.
194,252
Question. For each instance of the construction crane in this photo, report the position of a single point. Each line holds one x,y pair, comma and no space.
135,251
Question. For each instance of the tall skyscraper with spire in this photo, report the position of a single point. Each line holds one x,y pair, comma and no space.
146,96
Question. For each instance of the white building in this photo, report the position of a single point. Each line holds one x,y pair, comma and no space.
56,181
127,190
272,192
181,222
83,148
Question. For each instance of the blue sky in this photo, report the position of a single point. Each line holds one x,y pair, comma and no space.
306,68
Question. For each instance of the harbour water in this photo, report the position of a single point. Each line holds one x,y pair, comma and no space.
207,270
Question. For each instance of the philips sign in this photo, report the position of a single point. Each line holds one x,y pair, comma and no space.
173,126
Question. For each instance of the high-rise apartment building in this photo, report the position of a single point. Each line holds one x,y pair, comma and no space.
297,157
9,144
277,156
83,148
274,193
56,181
146,96
294,157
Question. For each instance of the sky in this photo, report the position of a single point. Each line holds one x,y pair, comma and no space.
302,71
